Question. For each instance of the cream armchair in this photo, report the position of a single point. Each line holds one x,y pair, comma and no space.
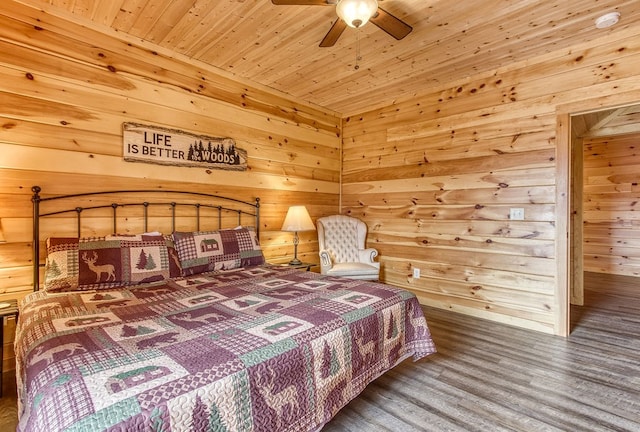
342,248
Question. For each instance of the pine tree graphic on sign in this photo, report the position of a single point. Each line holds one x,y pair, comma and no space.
221,153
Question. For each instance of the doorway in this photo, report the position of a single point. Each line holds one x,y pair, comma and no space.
601,224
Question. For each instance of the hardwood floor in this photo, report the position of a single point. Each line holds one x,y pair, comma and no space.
8,403
492,377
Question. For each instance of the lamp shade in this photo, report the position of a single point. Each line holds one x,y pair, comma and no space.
356,13
298,220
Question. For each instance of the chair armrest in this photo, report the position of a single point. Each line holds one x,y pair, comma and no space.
325,261
367,255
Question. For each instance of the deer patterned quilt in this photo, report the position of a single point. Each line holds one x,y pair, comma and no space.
255,349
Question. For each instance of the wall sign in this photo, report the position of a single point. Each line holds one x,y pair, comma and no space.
164,146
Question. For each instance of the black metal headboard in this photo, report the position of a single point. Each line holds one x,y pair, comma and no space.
153,197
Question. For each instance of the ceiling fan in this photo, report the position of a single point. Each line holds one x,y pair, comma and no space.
355,13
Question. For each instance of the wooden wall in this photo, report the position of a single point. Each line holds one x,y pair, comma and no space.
611,196
435,175
66,90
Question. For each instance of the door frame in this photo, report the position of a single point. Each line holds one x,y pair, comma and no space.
569,267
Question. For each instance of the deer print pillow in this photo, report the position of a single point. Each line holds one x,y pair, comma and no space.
107,262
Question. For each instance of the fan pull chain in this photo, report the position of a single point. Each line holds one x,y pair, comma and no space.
358,58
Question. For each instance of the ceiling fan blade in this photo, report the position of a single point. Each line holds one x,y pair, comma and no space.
334,33
392,25
302,2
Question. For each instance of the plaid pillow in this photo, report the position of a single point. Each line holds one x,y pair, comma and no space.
174,261
226,249
175,269
106,262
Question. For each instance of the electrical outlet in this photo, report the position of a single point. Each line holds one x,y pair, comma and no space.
516,214
416,273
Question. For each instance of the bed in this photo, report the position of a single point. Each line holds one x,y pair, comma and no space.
194,330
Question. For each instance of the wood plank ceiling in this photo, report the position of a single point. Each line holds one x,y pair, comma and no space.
606,123
277,46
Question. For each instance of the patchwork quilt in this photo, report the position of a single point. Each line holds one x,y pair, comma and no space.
264,348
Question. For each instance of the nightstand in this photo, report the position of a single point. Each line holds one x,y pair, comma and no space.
8,308
301,266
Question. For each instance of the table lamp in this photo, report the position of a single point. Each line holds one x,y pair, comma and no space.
297,220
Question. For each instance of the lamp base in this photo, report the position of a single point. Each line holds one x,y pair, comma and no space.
295,261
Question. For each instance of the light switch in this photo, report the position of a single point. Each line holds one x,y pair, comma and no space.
516,214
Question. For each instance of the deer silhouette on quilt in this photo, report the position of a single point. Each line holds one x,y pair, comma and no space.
99,269
366,349
50,354
278,400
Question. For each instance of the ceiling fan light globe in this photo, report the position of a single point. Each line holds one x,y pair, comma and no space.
356,13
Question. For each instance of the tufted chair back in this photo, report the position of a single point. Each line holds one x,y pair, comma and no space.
343,236
341,240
